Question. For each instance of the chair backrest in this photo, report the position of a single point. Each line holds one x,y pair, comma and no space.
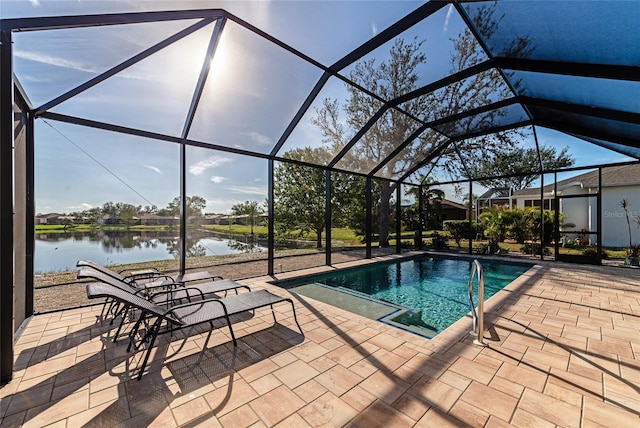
98,275
100,268
101,289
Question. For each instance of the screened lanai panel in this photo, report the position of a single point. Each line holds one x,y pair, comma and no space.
90,176
594,32
50,63
432,42
586,91
391,130
634,152
477,91
581,151
225,196
253,90
328,124
498,118
435,166
305,25
153,94
586,125
411,156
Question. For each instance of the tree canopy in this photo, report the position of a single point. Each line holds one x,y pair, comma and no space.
518,166
396,77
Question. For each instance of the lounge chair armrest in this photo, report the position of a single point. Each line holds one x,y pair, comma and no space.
164,285
190,293
196,304
139,279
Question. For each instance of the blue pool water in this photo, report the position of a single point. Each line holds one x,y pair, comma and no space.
433,290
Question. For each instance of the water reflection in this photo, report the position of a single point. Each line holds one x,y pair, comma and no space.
60,251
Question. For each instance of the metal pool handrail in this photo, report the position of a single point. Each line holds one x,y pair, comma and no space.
478,319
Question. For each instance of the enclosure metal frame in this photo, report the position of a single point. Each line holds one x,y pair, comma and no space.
207,16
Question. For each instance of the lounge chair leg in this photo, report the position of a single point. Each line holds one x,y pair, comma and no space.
154,329
295,317
275,321
133,332
124,312
233,336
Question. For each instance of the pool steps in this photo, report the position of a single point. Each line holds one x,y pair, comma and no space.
402,317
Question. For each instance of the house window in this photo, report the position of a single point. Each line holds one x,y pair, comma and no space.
549,204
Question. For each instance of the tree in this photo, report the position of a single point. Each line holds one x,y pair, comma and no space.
397,76
126,213
431,204
518,163
249,208
299,194
625,204
195,205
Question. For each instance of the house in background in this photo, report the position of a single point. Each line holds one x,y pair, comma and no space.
493,197
577,200
54,218
450,210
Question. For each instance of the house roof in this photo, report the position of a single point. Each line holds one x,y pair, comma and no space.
615,175
496,192
447,204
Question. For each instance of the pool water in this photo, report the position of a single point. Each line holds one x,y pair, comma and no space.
424,295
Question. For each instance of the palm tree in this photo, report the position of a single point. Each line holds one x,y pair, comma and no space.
625,204
249,208
432,202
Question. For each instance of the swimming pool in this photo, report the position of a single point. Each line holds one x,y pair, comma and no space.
425,294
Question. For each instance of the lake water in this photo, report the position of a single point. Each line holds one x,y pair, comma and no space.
59,252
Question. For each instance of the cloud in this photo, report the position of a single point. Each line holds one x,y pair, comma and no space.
249,190
82,207
261,140
153,168
34,3
217,179
374,29
208,163
51,60
152,75
445,28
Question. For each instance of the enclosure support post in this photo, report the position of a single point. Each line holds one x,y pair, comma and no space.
30,213
556,217
599,219
398,222
542,247
270,220
471,217
368,217
327,215
183,208
6,208
420,217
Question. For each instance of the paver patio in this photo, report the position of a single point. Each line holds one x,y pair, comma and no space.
563,350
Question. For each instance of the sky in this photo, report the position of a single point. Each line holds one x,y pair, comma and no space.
253,90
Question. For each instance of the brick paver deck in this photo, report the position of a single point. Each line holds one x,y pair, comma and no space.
563,350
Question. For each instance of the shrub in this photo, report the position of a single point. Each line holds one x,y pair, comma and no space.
591,252
536,248
438,241
459,229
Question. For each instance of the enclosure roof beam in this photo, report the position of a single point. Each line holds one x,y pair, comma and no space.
601,71
603,113
202,78
97,20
